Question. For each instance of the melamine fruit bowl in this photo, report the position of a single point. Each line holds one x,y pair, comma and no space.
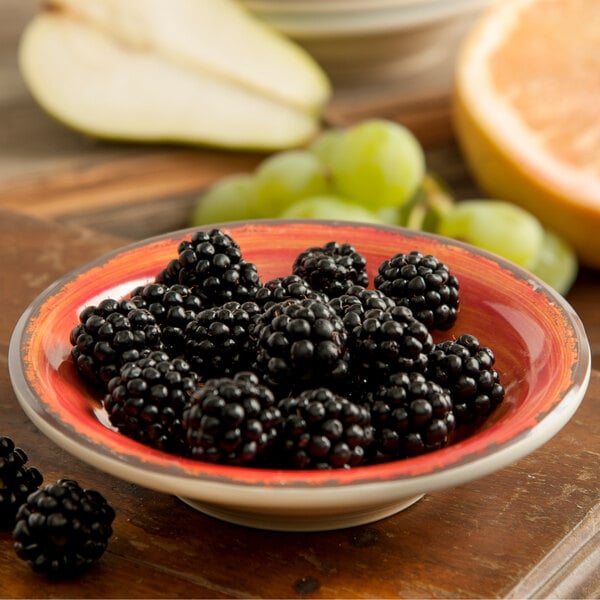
542,356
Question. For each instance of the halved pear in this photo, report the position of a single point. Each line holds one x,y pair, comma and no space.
108,86
214,36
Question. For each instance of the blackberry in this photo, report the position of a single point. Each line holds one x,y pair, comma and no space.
17,480
232,420
323,430
422,283
211,265
285,288
169,275
411,415
352,305
218,342
299,344
332,268
109,335
388,341
466,368
173,307
63,529
146,401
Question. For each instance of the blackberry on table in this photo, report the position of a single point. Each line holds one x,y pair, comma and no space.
232,420
466,369
388,341
109,335
285,288
219,342
62,529
300,343
331,268
411,415
324,430
212,266
173,307
17,480
146,400
423,284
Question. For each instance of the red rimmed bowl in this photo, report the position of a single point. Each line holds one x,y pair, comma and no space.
542,355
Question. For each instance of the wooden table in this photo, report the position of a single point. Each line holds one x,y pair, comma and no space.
529,530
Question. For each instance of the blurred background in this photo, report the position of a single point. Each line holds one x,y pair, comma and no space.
49,169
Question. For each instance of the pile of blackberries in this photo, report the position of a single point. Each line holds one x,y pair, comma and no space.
312,369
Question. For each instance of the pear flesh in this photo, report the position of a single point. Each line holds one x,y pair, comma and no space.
133,75
217,36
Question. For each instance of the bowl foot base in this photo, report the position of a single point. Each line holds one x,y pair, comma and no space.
297,519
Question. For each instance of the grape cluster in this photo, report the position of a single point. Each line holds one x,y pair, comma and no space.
375,171
314,369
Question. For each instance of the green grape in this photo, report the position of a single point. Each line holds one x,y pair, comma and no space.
378,163
391,215
430,203
329,208
557,263
232,198
286,177
500,227
325,145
